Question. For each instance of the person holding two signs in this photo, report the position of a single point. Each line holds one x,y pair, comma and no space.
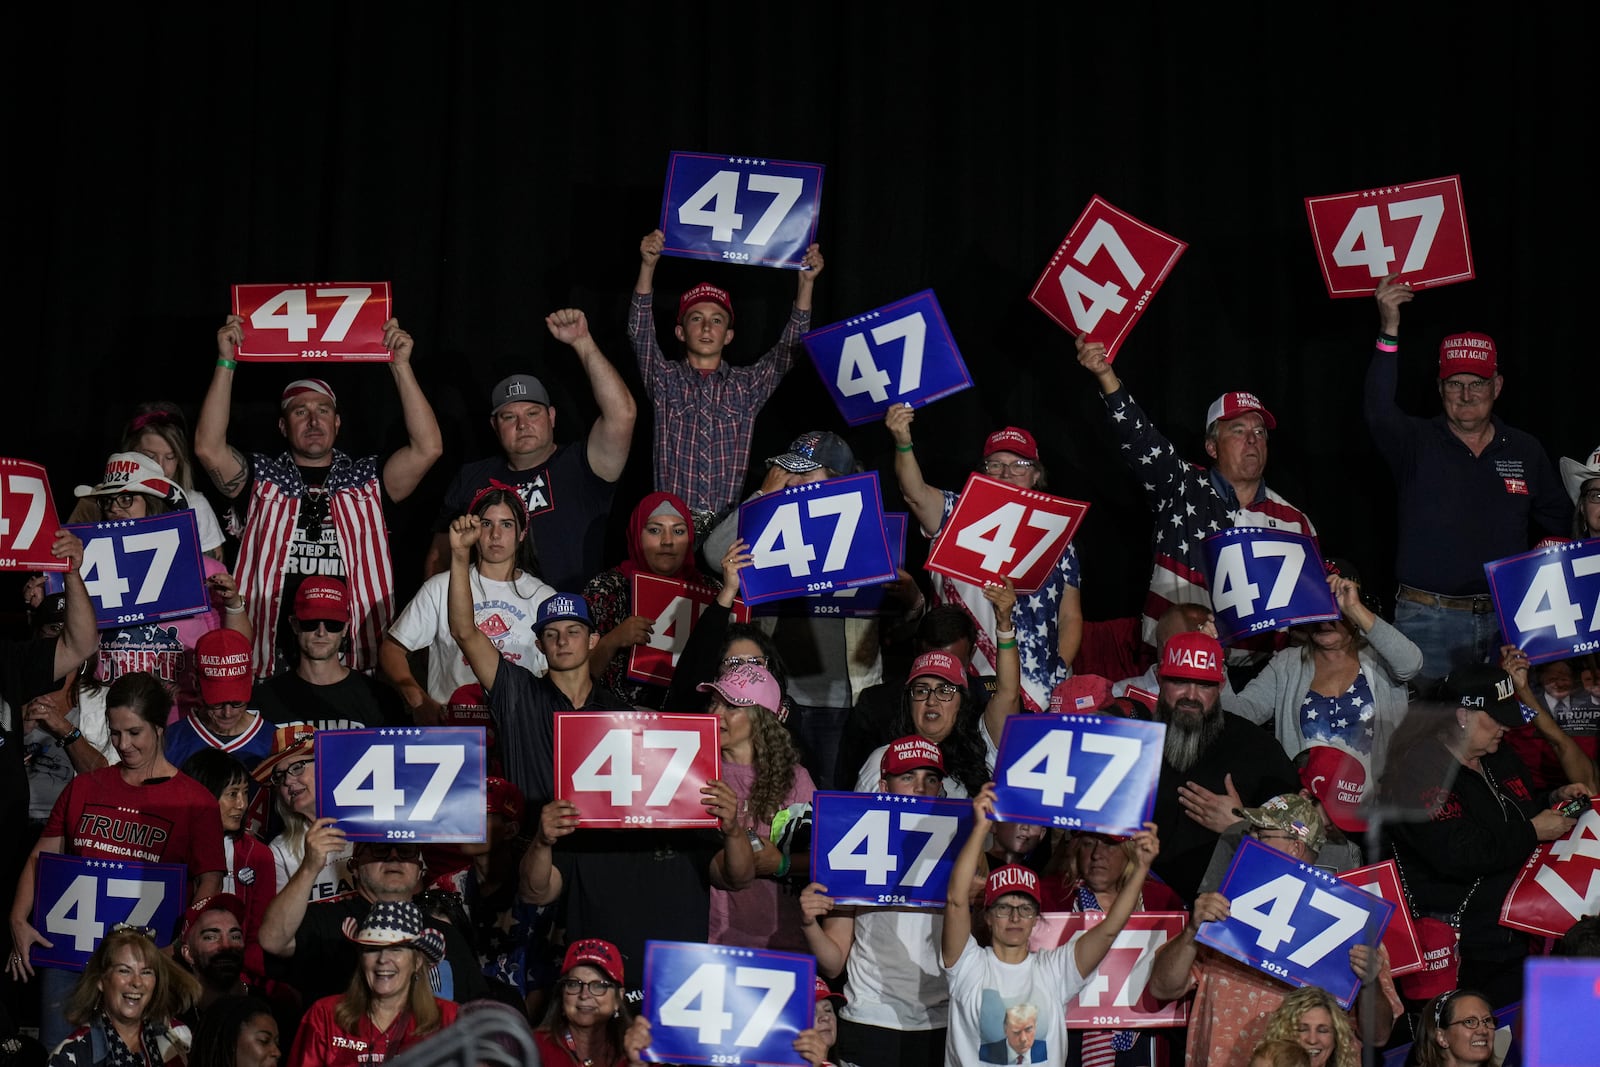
705,408
1005,1000
1190,502
1050,620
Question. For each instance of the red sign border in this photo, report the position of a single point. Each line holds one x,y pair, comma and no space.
622,718
1178,1008
979,578
740,612
1401,924
1453,181
387,296
48,524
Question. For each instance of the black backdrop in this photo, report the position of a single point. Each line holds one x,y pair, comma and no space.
498,161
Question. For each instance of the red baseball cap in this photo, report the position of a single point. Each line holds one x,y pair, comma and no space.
938,664
1011,878
222,660
914,753
596,953
1467,353
820,989
1012,439
1194,656
216,902
504,798
1232,405
1081,694
321,597
1339,781
705,293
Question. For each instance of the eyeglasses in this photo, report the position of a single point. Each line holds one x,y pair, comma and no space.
120,500
1271,835
1590,496
595,989
1472,1022
995,467
1476,387
293,770
310,626
944,693
745,661
1015,911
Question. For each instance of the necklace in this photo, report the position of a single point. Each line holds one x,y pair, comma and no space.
572,1047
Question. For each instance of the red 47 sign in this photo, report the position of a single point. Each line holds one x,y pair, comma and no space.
1383,880
998,530
1102,277
28,521
1418,231
675,606
1560,883
317,322
627,769
1116,997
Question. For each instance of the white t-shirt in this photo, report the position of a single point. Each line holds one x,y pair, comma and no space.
503,612
872,773
333,879
206,526
894,978
983,990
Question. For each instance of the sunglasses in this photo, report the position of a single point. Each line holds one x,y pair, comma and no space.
403,853
310,626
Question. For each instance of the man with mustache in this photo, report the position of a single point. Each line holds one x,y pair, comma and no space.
1213,762
213,949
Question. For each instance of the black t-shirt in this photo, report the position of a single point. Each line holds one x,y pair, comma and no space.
524,707
629,886
568,505
356,702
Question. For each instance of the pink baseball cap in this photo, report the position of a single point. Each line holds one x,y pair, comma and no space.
747,685
1467,353
1232,405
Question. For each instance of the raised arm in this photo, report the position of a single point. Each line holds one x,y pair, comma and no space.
1575,765
538,880
395,668
734,867
1096,941
288,909
1169,971
1007,698
403,471
612,433
1384,418
925,501
958,895
830,937
227,466
481,655
811,266
79,638
1092,358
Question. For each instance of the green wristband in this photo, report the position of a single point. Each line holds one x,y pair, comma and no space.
904,448
783,867
228,364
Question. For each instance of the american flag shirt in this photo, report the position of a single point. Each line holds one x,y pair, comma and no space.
355,507
1189,504
704,421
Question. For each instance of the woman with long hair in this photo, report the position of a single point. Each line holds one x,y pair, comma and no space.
291,772
762,766
237,1032
1583,485
1457,1031
588,1017
159,430
143,809
660,543
937,704
389,1004
1340,683
125,1006
1312,1019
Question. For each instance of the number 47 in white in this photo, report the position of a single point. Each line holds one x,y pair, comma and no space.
287,311
1365,227
722,192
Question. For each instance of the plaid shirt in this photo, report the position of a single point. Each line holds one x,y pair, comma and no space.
704,421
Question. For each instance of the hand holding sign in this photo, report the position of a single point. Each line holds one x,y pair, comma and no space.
715,1004
1082,772
79,900
314,323
626,769
1560,882
28,521
403,784
738,209
1265,579
144,570
1419,230
1117,994
998,531
886,850
1548,600
814,537
901,353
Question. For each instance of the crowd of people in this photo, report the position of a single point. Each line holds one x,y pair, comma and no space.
194,742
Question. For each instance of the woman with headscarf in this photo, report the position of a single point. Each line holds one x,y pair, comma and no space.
660,543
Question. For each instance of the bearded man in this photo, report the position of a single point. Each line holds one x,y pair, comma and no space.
1213,762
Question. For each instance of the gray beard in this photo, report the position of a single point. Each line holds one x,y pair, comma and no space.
1188,738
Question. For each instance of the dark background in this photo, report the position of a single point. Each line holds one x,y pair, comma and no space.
498,161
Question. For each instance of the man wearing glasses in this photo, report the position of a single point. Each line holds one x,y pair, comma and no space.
321,689
1050,622
1190,503
1470,489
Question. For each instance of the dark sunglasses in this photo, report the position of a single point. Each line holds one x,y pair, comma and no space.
309,626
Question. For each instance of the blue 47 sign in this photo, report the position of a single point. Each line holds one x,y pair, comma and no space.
78,900
737,209
1264,579
815,538
1083,772
404,783
886,851
1548,600
860,602
143,570
901,353
710,1004
1295,922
